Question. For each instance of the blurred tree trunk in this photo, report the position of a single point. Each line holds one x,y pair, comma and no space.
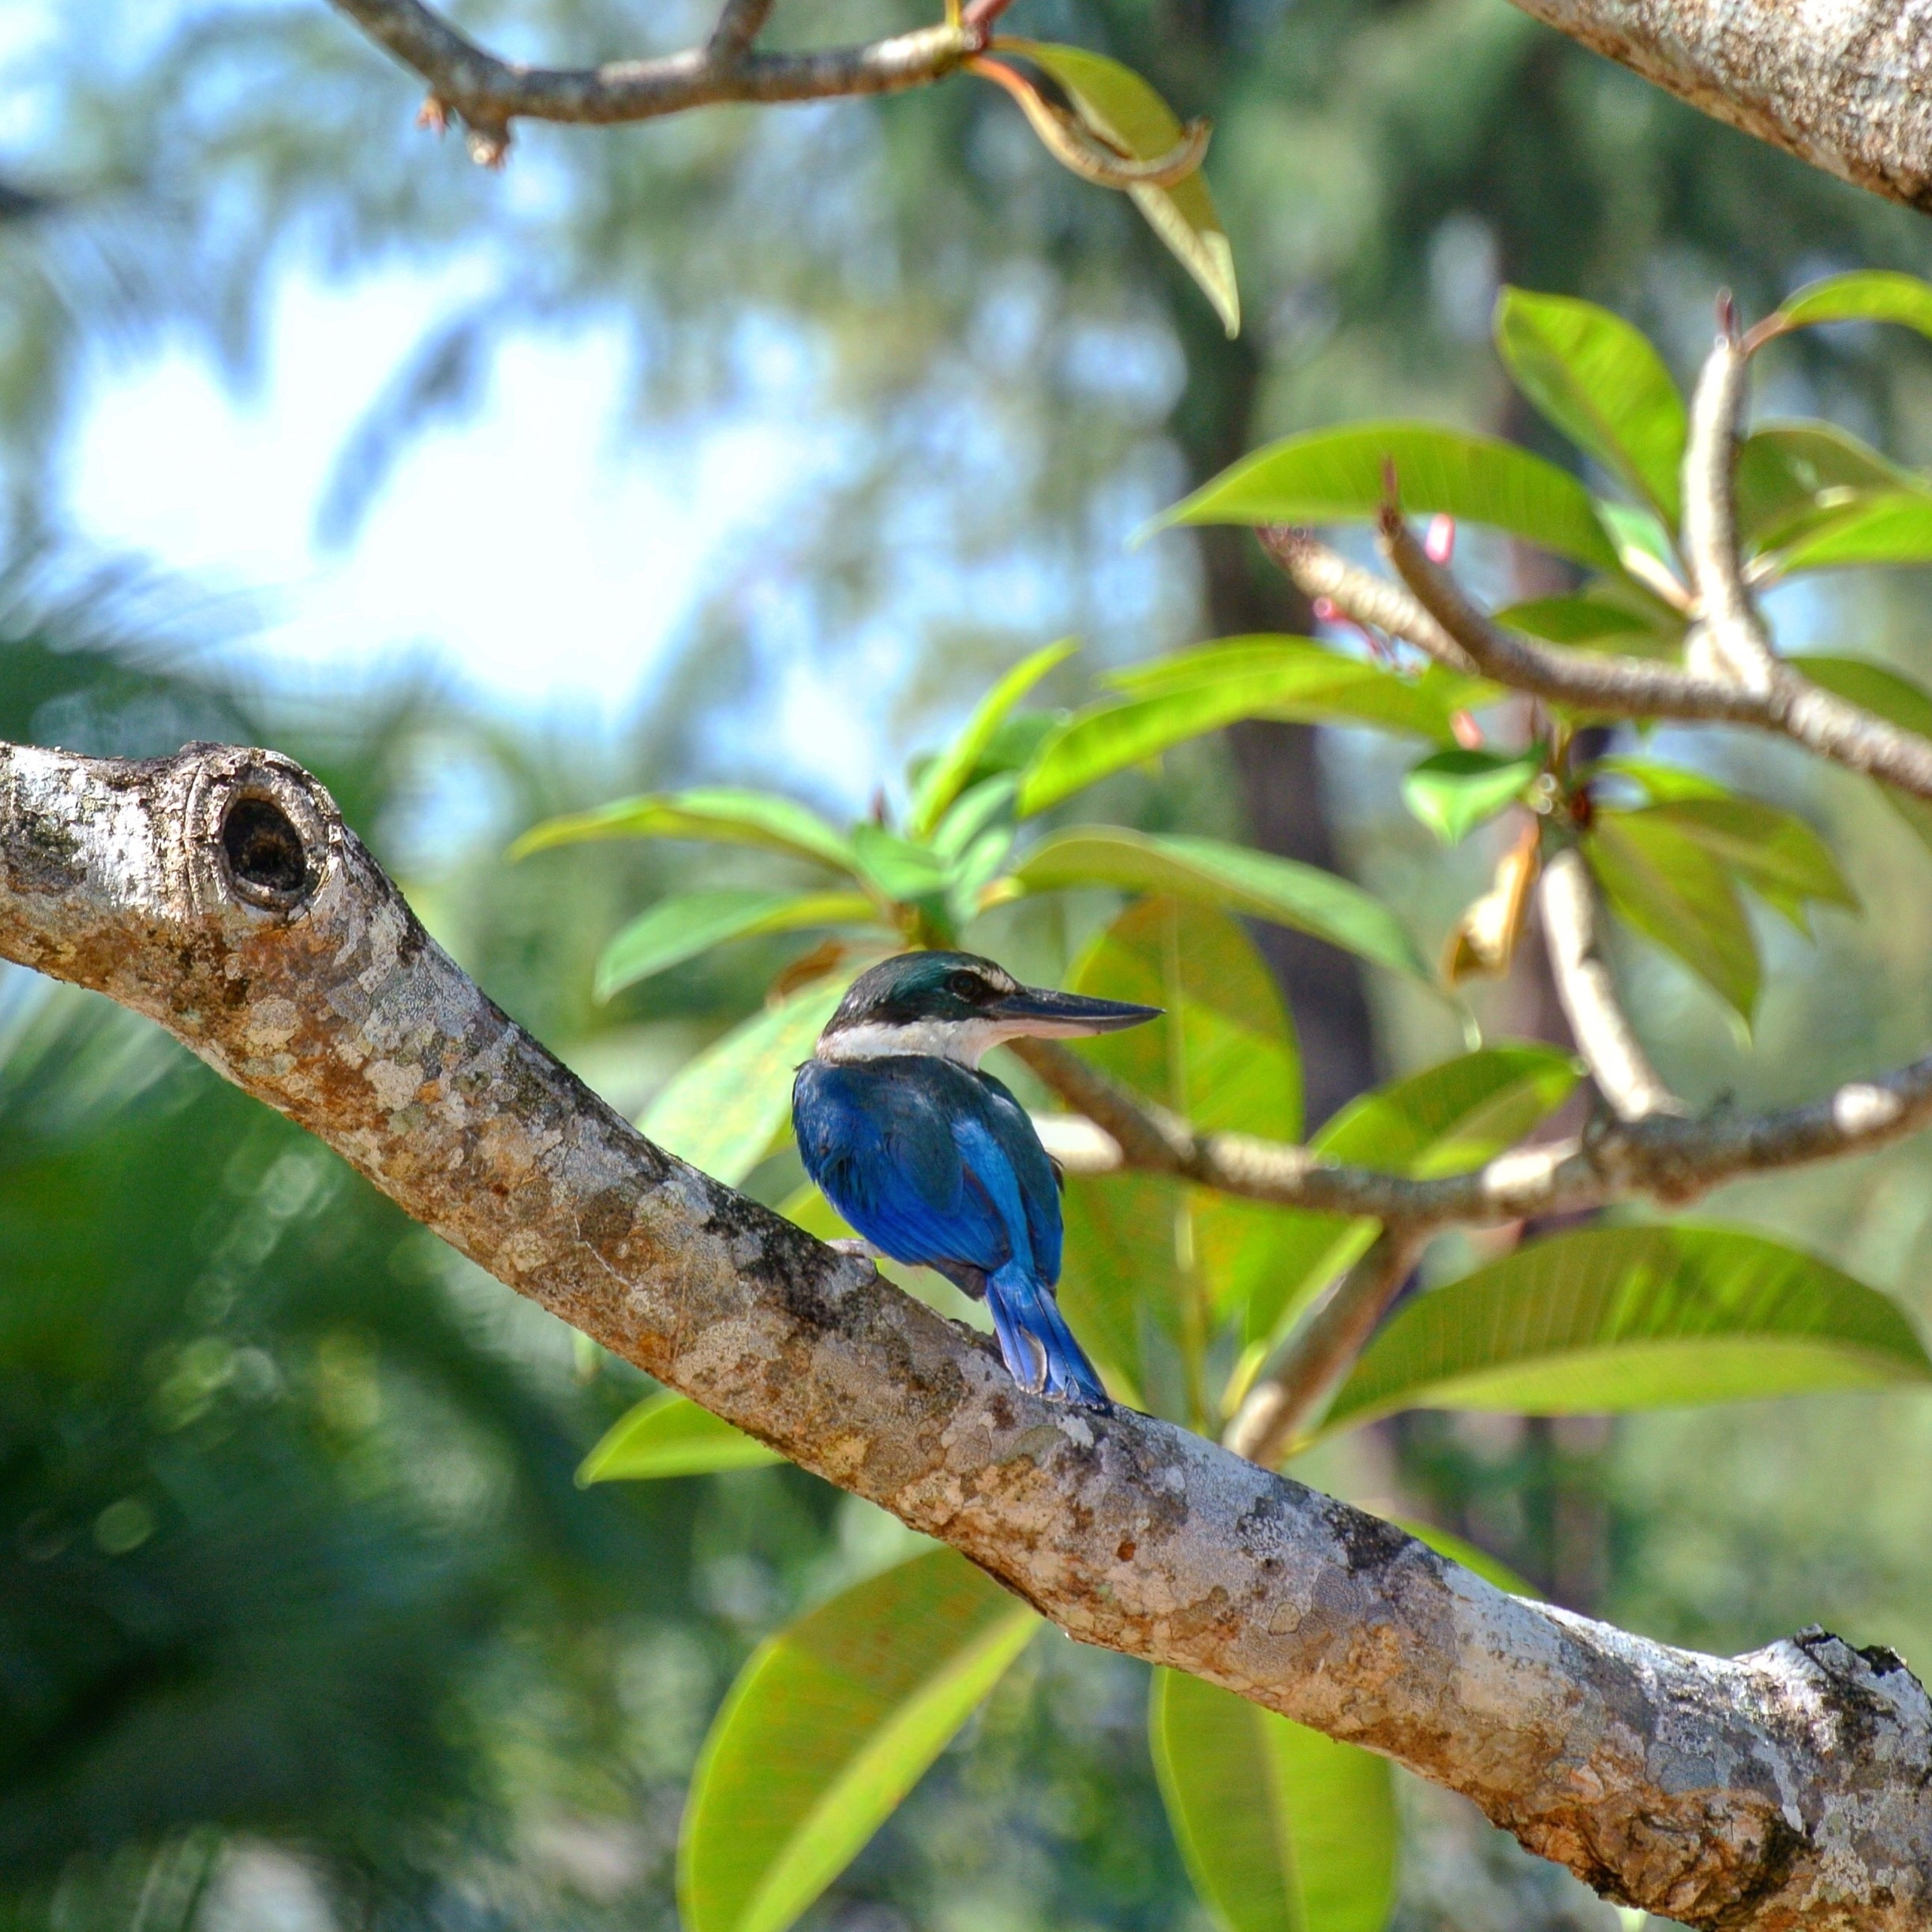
1279,765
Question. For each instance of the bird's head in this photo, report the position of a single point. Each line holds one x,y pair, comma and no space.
958,1006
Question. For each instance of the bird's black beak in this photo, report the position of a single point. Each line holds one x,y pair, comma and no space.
1043,1014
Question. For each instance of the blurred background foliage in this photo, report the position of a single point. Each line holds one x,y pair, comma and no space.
303,1623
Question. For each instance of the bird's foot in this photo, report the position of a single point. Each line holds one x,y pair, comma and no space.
857,1249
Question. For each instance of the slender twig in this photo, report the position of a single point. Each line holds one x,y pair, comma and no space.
1671,1159
1729,640
1323,1351
487,94
1618,1064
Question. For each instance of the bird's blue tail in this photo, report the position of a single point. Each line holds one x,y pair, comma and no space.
1040,1351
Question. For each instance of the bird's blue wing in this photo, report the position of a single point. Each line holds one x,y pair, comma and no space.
877,1139
1040,1187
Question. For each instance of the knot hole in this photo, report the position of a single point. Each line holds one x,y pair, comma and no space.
266,857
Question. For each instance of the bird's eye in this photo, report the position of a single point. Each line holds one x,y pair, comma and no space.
966,986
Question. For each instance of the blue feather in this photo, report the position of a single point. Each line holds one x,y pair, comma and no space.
938,1167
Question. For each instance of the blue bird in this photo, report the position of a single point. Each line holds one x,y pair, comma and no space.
935,1163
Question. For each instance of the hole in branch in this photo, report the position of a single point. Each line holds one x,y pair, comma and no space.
265,850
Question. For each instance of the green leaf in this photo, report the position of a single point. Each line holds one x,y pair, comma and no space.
1778,855
1673,891
723,1110
1454,791
1470,1556
1640,538
901,870
1228,876
1224,1054
946,776
720,814
1865,295
1446,1120
1336,476
1602,385
1282,1830
1613,616
829,1727
1888,695
1607,1320
1291,679
667,1435
1789,470
681,927
973,812
1117,103
1895,527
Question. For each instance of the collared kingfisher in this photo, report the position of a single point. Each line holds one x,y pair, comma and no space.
935,1163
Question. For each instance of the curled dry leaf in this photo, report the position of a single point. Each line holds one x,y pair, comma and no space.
1483,942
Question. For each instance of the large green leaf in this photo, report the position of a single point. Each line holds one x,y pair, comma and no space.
1606,1320
1892,527
681,927
668,1434
1864,295
1786,471
943,780
1774,852
1291,679
1282,1830
724,1109
1599,381
720,814
901,868
1139,1248
1613,615
1673,890
1116,102
1446,1120
1454,791
829,1727
1888,695
1337,476
1229,876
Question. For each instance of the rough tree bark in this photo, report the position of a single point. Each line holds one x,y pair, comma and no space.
219,892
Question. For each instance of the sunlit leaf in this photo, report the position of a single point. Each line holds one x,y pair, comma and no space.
1865,295
1282,1830
1892,528
723,1110
720,814
1633,625
1224,1054
1674,891
1116,102
829,1727
1599,381
942,780
1283,678
1454,791
1886,694
973,812
668,1434
1606,1320
681,927
1231,877
1336,476
900,869
1470,1556
1776,853
1446,1120
1641,538
1790,471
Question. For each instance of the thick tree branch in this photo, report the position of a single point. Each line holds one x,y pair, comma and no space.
1618,1064
1841,86
488,94
219,892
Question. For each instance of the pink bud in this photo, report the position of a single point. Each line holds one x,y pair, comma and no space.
1438,546
1325,610
1468,733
